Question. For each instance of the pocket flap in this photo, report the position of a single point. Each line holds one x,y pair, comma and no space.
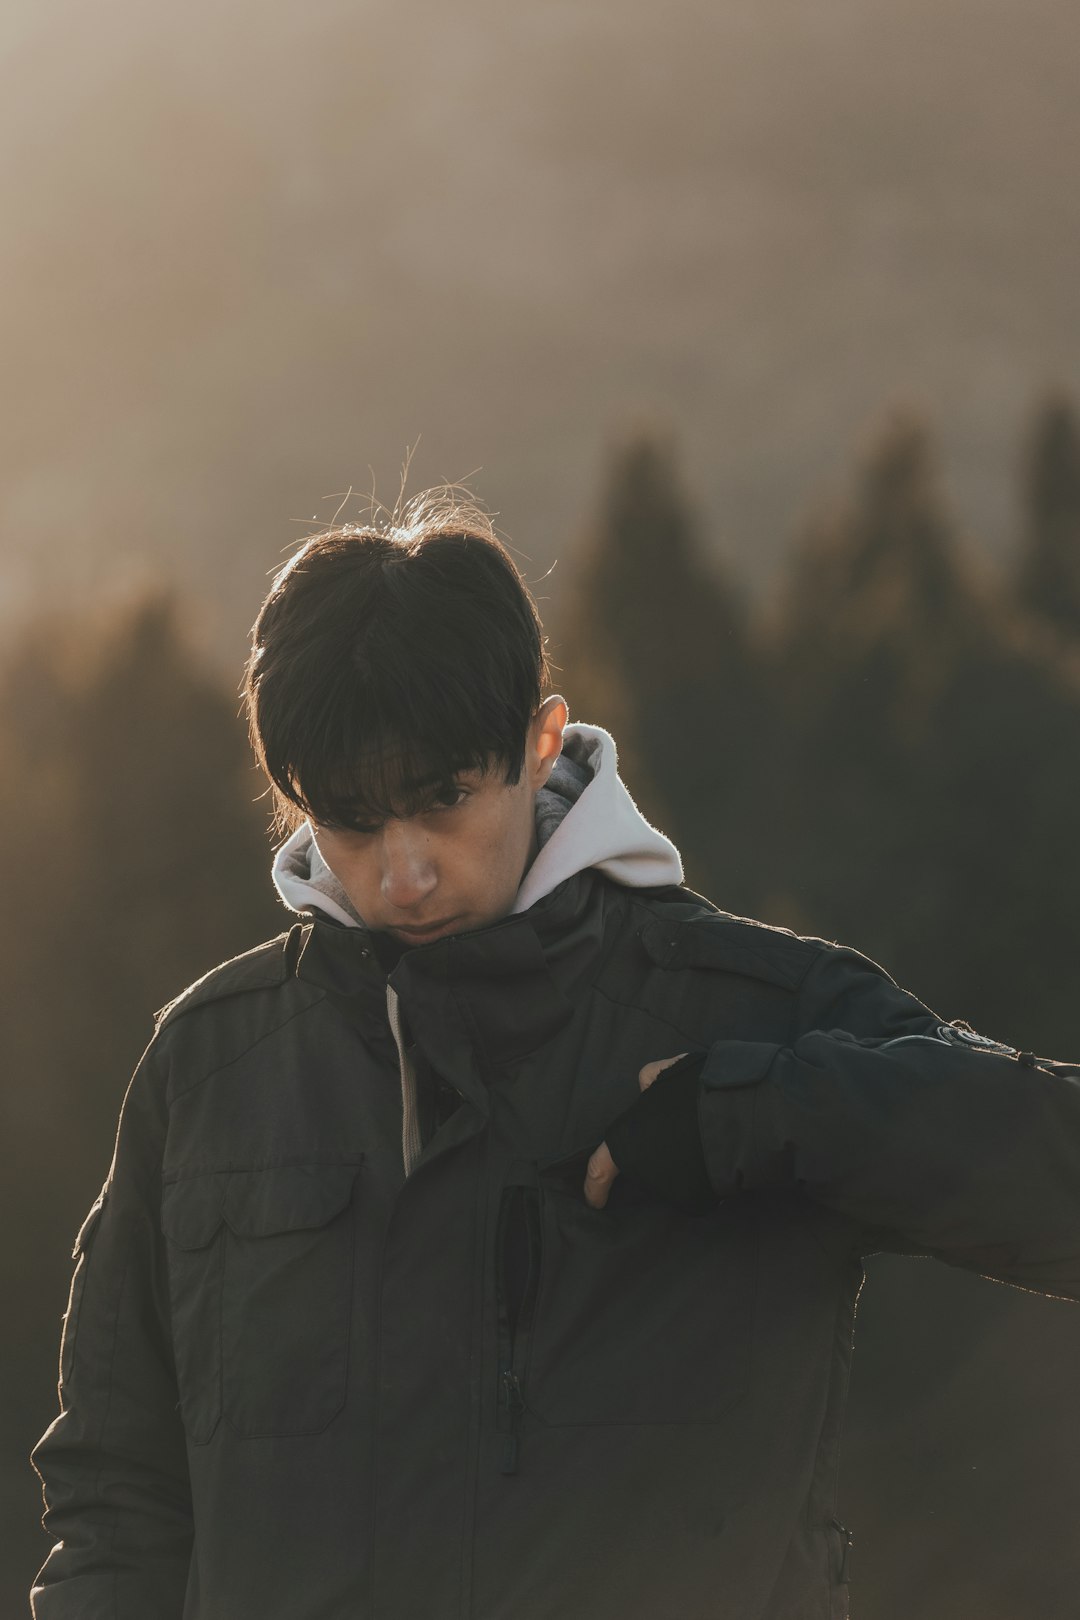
731,1065
255,1203
287,1198
191,1210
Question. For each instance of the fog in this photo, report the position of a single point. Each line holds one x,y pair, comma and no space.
254,253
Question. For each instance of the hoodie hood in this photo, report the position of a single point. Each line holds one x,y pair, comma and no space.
585,817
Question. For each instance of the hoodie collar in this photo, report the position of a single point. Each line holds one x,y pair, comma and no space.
601,828
305,882
585,819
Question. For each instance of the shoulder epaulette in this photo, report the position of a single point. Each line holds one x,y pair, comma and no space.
734,944
261,968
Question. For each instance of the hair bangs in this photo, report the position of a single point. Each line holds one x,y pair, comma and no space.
369,755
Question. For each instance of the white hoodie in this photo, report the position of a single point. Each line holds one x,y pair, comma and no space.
584,817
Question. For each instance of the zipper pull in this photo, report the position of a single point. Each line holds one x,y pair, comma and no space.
846,1541
515,1405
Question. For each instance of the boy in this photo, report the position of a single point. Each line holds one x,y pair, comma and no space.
487,1244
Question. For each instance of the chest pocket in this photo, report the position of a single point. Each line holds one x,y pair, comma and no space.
260,1286
643,1314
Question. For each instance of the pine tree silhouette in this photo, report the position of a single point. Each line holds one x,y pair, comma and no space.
935,749
877,613
655,649
1048,571
880,590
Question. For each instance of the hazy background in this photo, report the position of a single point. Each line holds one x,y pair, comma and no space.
252,251
664,277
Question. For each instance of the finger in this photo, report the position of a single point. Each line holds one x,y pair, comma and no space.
649,1073
600,1172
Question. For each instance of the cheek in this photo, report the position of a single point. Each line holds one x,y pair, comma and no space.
508,845
356,873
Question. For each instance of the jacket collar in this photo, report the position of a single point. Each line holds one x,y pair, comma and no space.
486,998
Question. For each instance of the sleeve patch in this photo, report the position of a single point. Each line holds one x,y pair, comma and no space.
961,1034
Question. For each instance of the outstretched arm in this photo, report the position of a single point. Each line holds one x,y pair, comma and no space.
925,1137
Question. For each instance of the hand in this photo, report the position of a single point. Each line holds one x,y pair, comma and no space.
602,1169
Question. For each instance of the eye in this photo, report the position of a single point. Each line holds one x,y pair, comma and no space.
345,829
451,797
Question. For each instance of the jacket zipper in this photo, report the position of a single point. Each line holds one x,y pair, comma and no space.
411,1142
519,1223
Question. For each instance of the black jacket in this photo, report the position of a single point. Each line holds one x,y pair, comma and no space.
298,1386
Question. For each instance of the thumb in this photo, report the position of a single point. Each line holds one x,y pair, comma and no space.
600,1172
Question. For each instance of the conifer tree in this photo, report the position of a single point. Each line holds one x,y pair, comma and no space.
1048,573
876,616
176,872
655,649
142,854
935,751
880,588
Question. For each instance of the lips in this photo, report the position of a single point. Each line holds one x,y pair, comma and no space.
424,936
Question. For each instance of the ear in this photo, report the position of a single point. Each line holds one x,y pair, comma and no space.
545,740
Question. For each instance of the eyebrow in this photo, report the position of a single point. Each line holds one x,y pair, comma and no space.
416,796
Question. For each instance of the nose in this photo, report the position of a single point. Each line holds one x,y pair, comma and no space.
408,874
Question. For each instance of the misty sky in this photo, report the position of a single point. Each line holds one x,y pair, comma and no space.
252,251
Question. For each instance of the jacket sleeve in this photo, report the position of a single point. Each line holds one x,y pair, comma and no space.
113,1464
928,1138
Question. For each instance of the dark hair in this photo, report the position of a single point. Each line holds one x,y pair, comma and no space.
386,660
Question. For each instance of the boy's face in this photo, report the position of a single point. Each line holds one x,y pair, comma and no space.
457,864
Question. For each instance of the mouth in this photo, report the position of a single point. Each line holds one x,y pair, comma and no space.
429,932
